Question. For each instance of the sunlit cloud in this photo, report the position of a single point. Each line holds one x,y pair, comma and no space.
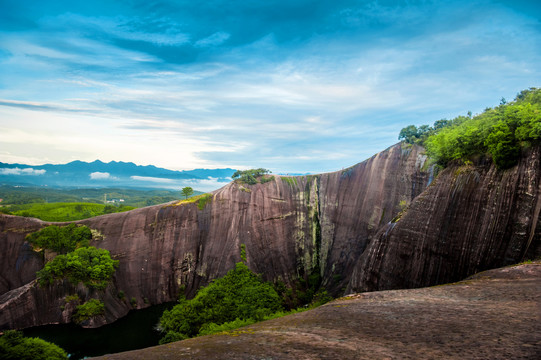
152,179
100,176
25,171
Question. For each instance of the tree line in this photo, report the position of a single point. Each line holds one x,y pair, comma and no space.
501,132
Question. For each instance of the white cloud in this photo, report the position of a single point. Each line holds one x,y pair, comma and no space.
213,40
206,184
100,175
152,179
17,171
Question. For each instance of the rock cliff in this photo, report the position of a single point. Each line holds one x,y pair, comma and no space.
470,219
337,224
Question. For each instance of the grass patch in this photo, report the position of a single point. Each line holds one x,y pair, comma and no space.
201,200
64,211
291,181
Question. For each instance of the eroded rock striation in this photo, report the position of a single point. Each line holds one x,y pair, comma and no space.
337,224
472,218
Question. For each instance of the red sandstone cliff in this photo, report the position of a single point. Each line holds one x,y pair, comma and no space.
293,226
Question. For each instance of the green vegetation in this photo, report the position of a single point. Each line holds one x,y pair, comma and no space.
203,201
19,195
61,239
251,176
88,310
238,299
13,345
212,328
93,267
187,191
240,294
64,211
292,181
500,132
77,204
266,179
72,298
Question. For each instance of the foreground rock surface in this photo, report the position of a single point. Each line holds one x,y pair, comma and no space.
493,315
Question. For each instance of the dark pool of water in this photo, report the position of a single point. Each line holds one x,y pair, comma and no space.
134,331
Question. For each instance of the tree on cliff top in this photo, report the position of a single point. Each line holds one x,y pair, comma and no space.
187,191
249,176
500,132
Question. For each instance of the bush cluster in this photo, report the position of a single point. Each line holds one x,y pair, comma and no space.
250,176
89,309
13,345
500,132
240,294
61,239
89,265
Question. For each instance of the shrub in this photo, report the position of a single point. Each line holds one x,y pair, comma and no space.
13,345
88,310
500,132
212,328
93,267
203,201
266,179
249,176
239,294
61,239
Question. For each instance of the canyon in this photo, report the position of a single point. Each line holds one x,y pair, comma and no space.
390,222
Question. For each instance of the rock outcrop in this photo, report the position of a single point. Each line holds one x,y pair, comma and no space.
490,316
472,218
335,224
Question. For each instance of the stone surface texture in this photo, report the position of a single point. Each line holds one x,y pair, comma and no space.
493,315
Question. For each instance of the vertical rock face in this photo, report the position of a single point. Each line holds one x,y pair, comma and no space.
472,218
337,224
19,262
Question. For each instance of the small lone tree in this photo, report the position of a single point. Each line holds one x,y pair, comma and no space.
187,191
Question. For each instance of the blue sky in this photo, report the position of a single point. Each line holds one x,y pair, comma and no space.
291,86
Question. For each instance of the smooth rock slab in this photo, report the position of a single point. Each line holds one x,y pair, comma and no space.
493,315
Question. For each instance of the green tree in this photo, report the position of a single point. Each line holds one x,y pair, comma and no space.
502,145
500,132
13,345
93,267
240,294
187,191
249,176
409,134
61,239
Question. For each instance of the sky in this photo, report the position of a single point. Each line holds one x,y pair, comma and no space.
290,86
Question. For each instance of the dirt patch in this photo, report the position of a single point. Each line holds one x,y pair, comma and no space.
493,315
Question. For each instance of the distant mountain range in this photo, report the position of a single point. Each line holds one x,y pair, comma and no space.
112,174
